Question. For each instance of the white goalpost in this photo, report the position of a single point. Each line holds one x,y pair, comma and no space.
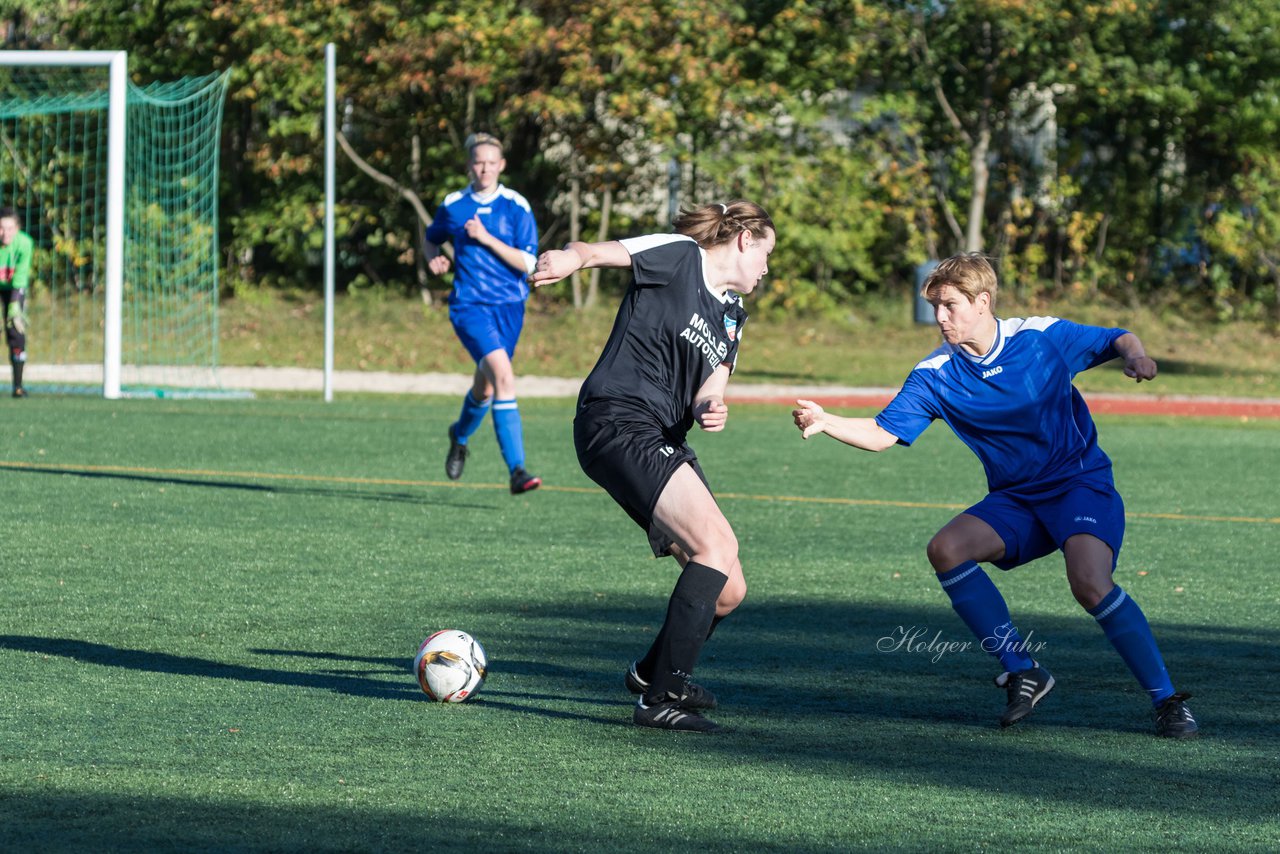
116,63
117,185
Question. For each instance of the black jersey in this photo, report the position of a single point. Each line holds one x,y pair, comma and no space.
672,331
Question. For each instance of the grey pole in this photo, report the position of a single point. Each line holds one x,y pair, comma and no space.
330,127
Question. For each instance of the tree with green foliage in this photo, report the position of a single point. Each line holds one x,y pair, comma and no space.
633,88
1098,148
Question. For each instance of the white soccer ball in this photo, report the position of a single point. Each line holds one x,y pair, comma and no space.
450,666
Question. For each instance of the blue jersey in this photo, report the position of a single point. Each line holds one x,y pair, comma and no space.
1015,407
479,276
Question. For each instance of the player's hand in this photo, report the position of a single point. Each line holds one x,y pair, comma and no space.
809,418
476,231
439,265
554,265
1141,368
712,415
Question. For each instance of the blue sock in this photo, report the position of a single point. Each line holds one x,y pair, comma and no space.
1126,627
506,423
976,599
469,419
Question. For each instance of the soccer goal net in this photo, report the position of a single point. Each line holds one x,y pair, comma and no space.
117,185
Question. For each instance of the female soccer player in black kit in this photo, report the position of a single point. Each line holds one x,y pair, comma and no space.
665,367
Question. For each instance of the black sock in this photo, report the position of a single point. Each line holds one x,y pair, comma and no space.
690,613
17,373
644,666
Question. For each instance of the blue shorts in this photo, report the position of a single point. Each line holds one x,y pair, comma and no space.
1033,529
483,328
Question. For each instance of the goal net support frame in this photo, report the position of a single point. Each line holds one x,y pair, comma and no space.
117,65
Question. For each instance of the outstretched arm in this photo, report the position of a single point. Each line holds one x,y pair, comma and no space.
1137,363
862,433
556,264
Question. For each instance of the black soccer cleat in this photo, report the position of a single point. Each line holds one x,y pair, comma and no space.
522,481
19,392
457,458
671,715
694,696
1174,719
1026,688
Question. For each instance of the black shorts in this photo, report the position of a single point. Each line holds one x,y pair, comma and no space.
632,458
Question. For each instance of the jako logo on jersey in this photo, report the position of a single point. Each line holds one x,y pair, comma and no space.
731,326
1089,519
993,371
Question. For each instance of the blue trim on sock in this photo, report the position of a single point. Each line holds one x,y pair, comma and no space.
1125,625
979,604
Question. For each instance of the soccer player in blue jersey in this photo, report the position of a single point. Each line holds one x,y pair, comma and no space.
1004,387
495,243
665,368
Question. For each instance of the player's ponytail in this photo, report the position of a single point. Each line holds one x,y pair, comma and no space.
719,223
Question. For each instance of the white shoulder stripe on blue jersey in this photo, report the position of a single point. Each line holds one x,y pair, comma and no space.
1014,325
508,193
936,359
1008,327
500,192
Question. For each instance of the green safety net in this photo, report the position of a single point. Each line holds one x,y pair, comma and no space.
53,171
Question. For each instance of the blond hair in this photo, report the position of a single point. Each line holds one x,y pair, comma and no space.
970,273
716,224
481,138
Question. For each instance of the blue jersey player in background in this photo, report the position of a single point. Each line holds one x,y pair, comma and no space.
495,243
1004,387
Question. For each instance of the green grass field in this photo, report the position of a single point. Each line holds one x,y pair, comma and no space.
210,609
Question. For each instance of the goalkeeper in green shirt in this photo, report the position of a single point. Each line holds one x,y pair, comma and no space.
15,272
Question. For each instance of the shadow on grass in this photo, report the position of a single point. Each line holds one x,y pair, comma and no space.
359,684
866,689
263,488
74,822
812,686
